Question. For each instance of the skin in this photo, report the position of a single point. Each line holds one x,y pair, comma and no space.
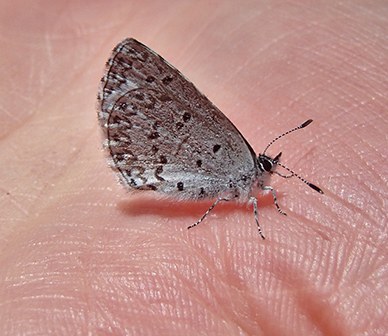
80,255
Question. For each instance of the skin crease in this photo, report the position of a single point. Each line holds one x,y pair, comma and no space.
79,255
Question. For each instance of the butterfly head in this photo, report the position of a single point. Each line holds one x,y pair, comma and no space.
267,164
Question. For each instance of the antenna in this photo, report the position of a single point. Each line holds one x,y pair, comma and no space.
311,185
277,157
306,123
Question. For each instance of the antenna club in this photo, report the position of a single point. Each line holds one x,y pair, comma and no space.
313,186
306,123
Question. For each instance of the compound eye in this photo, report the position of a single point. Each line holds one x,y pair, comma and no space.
267,165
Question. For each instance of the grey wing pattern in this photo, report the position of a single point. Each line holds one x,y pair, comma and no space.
162,133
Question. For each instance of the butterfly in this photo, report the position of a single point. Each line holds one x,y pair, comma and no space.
163,135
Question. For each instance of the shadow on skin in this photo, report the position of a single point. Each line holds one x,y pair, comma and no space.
170,208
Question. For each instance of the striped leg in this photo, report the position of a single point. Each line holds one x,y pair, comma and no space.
256,213
275,200
208,211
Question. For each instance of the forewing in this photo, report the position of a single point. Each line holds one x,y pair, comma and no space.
162,133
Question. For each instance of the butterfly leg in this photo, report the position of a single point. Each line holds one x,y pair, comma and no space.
256,213
275,200
208,211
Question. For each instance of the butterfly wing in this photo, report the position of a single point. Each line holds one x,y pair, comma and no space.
163,134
